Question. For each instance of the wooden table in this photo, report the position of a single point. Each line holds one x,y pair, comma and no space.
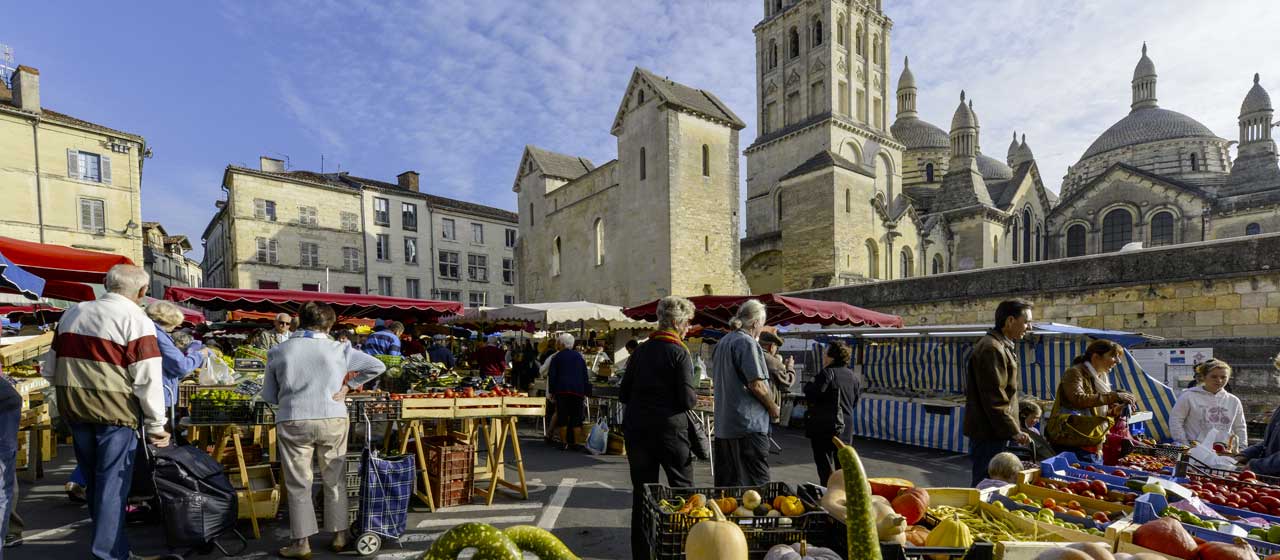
229,434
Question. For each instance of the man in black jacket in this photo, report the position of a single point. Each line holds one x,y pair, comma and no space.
831,397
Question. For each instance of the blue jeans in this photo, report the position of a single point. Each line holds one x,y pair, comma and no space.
8,463
982,451
106,454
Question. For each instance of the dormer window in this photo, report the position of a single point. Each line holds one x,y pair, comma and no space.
639,98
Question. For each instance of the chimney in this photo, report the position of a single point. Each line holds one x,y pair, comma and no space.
26,89
408,180
271,164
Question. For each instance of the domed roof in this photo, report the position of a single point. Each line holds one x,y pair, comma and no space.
917,134
1256,100
1145,67
1013,146
964,117
907,79
1145,125
993,169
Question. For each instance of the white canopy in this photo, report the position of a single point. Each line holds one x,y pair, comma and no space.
569,314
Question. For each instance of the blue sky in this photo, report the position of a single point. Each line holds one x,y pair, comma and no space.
455,88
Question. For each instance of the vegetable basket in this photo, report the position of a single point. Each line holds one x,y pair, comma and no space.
666,531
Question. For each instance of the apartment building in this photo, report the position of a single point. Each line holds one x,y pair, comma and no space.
165,259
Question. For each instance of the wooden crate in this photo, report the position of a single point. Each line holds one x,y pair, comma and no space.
31,348
1091,505
263,490
487,407
524,406
412,408
1008,550
34,415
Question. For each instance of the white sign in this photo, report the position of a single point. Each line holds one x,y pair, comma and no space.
1172,366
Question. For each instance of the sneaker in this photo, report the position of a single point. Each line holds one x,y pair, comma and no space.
75,493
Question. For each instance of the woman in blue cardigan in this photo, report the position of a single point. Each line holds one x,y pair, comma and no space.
570,383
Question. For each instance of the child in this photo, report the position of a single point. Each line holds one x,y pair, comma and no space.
1001,471
1030,412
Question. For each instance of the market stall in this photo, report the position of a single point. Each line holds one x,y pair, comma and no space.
716,311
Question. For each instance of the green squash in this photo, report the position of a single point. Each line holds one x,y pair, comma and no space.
540,542
860,527
490,544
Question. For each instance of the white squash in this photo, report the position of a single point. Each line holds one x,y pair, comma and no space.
715,539
800,551
890,525
833,499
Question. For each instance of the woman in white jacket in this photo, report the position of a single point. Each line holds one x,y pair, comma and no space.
1208,406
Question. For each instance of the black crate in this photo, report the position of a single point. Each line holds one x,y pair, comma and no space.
221,412
264,413
377,409
666,532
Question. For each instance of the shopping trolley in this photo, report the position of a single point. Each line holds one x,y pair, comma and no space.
386,485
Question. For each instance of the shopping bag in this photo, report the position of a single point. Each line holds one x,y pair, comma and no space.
1205,453
1073,429
598,439
215,372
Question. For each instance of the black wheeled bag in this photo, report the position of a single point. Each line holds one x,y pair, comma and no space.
197,502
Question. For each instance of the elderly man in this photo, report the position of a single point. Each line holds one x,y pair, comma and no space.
440,353
568,380
744,407
991,388
385,342
267,339
782,372
107,372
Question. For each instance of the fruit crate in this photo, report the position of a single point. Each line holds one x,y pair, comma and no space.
1194,466
1150,505
185,391
1165,450
666,532
222,412
375,409
451,470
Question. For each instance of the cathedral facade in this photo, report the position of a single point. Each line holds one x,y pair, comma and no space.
836,194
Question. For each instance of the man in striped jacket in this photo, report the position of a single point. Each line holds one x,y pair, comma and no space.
105,364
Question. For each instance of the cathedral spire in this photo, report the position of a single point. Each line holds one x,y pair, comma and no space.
964,132
907,91
1144,82
1023,155
1013,149
1256,115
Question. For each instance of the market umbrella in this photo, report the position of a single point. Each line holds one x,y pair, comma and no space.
579,314
289,301
69,291
56,262
15,280
716,311
188,315
268,316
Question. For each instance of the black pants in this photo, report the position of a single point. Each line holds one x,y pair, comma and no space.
982,451
742,461
824,457
649,448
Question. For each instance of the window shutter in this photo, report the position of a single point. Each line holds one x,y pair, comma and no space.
100,216
106,169
73,164
86,214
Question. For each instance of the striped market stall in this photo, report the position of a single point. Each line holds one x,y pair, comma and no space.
916,377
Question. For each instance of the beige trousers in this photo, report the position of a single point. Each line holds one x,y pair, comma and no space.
324,442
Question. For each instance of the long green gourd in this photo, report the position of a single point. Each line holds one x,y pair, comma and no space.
540,542
860,528
490,544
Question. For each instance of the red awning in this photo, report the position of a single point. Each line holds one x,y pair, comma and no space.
70,291
55,262
716,311
288,301
189,316
46,312
268,316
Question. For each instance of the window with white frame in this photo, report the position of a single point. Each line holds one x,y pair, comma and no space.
381,211
448,229
411,250
508,271
477,233
477,299
409,216
511,238
384,286
264,209
449,295
310,254
412,288
384,247
477,267
87,166
449,264
307,215
350,259
350,221
267,250
93,215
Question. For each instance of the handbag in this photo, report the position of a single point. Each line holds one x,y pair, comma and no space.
1076,428
698,440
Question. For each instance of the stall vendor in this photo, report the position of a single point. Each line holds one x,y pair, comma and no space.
1208,406
440,353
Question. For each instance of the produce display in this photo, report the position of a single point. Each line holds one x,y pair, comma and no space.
219,397
1095,489
22,370
1072,508
715,538
749,504
981,525
1242,491
1149,463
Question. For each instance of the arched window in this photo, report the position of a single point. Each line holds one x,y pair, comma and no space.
1039,242
1252,229
555,257
642,164
1015,238
848,207
1117,230
928,172
1195,165
530,214
777,208
777,6
599,229
1026,236
875,48
706,161
639,98
873,260
905,263
858,36
1075,241
995,249
773,54
793,42
937,264
817,32
1162,229
840,34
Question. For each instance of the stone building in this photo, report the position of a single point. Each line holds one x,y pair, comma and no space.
836,197
660,219
336,232
165,259
64,180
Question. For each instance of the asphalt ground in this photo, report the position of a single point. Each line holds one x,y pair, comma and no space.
584,499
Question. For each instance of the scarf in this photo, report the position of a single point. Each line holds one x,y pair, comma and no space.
669,336
1100,382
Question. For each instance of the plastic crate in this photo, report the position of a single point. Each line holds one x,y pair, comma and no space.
1168,451
222,412
666,532
377,409
185,390
451,470
1149,506
264,413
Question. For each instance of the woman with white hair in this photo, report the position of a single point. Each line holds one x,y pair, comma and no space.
177,364
658,390
570,383
744,406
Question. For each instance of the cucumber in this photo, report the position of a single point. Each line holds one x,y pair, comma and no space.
540,542
860,527
490,544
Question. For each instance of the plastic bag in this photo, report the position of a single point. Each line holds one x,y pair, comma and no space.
598,439
215,372
1205,453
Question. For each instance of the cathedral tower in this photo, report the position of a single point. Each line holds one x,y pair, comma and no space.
1144,82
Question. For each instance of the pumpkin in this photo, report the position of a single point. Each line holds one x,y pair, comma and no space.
890,527
715,539
912,503
1238,550
488,542
727,504
800,551
694,502
751,499
860,528
889,487
539,541
790,506
950,533
1165,535
917,535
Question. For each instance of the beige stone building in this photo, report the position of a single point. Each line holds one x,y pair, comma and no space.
65,180
836,197
660,219
301,230
165,259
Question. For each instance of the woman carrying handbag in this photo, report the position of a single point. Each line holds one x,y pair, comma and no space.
1085,403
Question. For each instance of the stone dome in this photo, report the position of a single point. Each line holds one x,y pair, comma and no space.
907,79
1256,100
993,169
1145,125
1145,68
918,134
964,117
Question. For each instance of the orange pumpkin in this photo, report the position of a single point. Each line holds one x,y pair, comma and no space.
912,504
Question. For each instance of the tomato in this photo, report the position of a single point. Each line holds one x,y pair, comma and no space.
1099,487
